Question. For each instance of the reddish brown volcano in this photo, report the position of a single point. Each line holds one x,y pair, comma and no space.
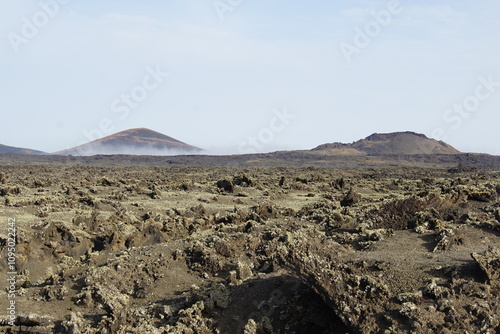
139,141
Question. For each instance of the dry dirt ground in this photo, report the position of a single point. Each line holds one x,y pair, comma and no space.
255,250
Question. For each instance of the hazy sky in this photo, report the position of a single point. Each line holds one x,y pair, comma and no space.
249,75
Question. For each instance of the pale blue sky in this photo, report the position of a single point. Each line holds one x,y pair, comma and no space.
228,77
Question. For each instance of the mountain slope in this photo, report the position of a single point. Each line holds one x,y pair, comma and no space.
18,150
390,143
138,141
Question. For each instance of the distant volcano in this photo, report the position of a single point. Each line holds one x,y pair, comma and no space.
390,143
18,150
139,141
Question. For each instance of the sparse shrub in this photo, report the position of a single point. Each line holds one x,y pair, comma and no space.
199,211
204,200
301,180
283,181
186,185
338,184
41,184
317,178
155,194
298,186
41,201
106,182
10,191
88,200
4,178
135,188
43,212
119,196
481,194
66,190
428,181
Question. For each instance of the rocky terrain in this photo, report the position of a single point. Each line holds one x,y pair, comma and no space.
108,247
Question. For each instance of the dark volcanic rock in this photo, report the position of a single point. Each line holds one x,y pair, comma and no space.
226,185
351,198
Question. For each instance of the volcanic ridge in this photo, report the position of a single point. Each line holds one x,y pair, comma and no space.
389,143
18,150
142,141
